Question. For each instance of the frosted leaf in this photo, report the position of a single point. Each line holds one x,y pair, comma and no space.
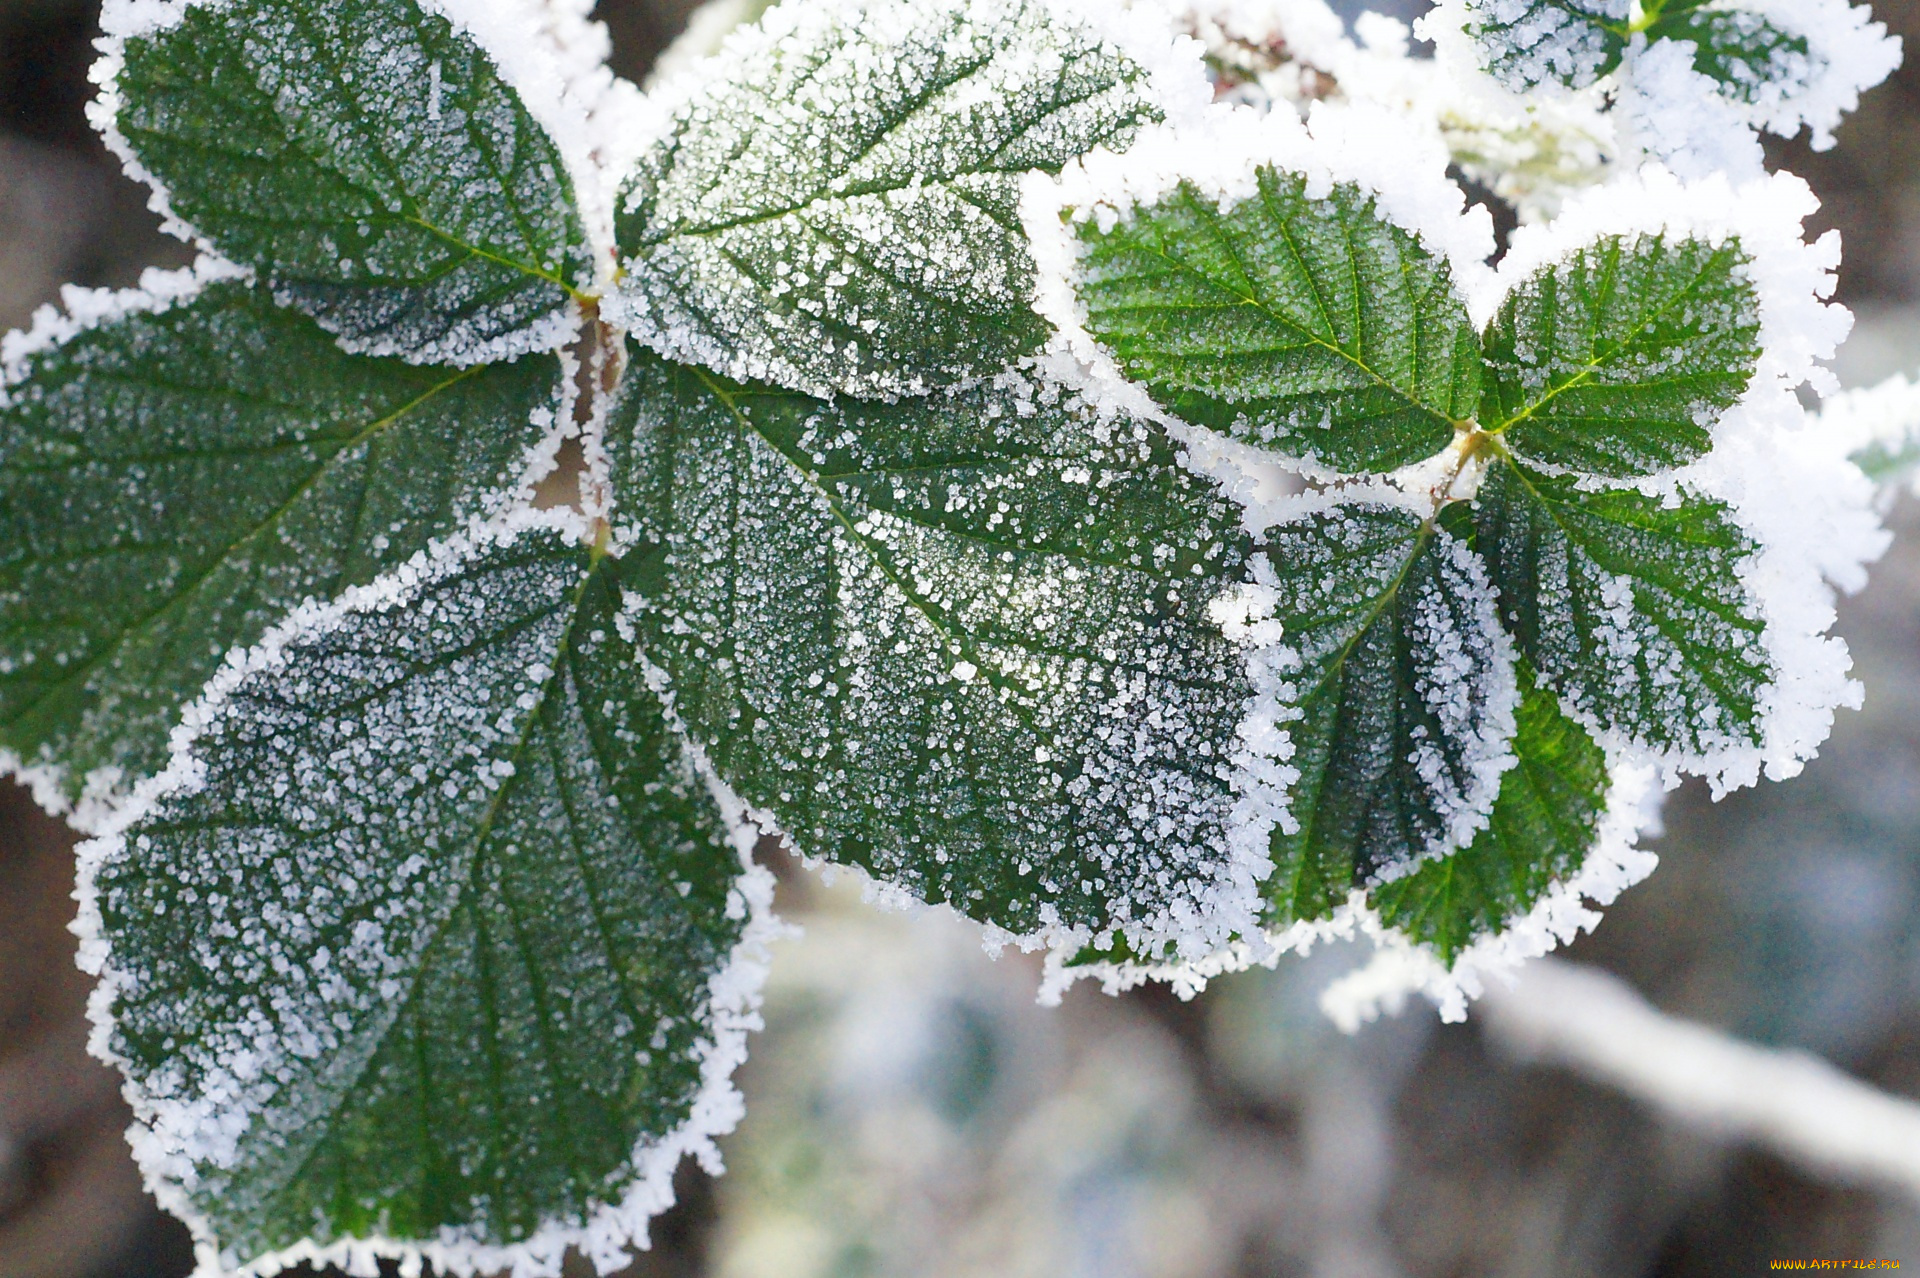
1634,610
1530,42
176,477
834,206
1775,65
1545,819
1879,428
426,940
1300,320
1406,696
1619,358
960,642
366,158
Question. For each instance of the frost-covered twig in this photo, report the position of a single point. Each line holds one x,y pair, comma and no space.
1792,1102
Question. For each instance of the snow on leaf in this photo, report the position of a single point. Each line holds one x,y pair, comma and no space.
962,643
429,941
1299,319
834,206
1738,49
1633,609
1619,358
1406,695
177,476
1545,819
1530,42
1878,427
366,158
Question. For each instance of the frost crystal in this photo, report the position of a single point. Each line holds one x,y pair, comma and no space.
833,205
365,158
437,824
964,643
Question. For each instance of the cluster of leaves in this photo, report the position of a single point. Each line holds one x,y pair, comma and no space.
423,905
1575,42
1439,641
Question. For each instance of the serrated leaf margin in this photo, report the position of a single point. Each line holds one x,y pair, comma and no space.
605,1237
104,792
1220,156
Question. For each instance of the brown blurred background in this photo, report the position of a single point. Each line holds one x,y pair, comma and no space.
912,1113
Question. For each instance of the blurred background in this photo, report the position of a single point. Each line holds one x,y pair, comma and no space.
913,1114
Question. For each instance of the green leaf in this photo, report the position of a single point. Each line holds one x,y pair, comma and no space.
961,642
172,482
1618,359
1741,50
1528,42
429,929
835,206
1405,690
1310,325
368,161
1632,609
1545,819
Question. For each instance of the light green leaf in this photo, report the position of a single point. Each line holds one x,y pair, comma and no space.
962,642
1313,326
368,161
835,206
1618,359
1738,48
1544,821
172,482
1631,609
428,931
1406,696
1528,42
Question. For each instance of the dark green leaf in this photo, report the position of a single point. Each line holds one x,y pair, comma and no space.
1406,697
367,160
1618,359
423,944
1312,326
961,642
1529,42
1545,819
1631,609
836,207
172,483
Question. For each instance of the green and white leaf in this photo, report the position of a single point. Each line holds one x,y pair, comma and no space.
1743,52
179,474
429,941
1545,819
1405,691
1530,42
1633,609
963,643
1619,358
365,157
833,206
1308,324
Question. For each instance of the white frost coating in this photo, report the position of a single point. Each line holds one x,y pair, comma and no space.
1808,509
1676,116
1218,155
167,1135
1850,53
1791,278
1401,966
86,309
1879,427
